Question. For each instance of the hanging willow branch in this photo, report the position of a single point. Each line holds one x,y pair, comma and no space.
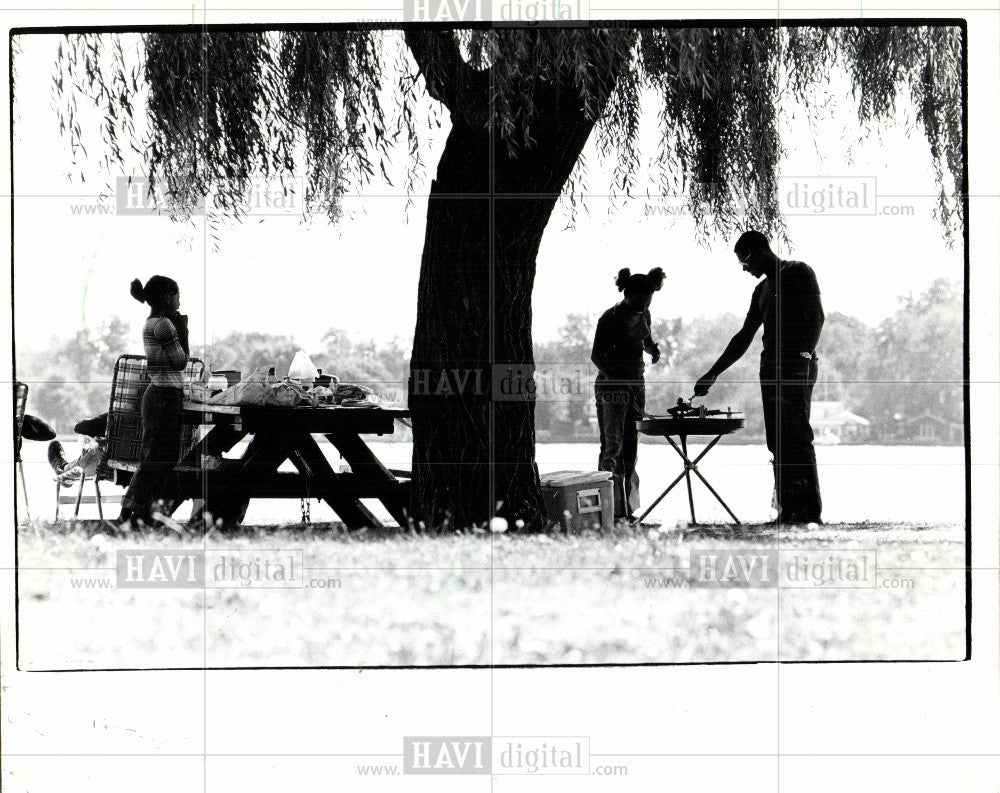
721,146
339,105
890,66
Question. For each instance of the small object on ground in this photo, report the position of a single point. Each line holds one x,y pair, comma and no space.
100,542
498,525
577,500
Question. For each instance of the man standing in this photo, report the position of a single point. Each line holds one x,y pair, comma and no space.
787,303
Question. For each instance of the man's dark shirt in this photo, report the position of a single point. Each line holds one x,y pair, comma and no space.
617,353
788,305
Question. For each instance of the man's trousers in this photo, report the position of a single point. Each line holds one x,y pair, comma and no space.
786,388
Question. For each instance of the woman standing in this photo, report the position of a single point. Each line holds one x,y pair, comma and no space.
165,339
623,334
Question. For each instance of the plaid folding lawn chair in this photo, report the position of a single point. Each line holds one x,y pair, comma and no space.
123,439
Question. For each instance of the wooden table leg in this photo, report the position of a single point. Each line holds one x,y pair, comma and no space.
216,442
312,463
364,463
264,455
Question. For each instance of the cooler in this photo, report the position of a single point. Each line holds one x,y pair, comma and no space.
585,495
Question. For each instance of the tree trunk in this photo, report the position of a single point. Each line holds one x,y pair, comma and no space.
473,446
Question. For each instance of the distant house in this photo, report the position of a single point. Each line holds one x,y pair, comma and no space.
928,428
832,423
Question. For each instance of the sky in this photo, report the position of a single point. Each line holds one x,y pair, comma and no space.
279,274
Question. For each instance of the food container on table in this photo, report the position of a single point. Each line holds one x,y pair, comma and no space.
233,376
217,383
324,380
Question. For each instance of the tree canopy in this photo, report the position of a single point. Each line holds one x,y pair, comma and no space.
208,110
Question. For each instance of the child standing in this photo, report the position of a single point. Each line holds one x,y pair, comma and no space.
623,334
165,339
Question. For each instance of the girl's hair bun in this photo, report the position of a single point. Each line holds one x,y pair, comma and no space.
656,277
622,280
137,291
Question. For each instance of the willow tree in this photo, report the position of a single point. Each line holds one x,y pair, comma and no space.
223,107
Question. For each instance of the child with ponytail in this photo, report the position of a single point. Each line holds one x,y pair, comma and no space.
165,340
623,334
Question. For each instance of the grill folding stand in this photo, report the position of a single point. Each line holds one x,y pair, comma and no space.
683,422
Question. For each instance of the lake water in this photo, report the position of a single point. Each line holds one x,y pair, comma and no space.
859,483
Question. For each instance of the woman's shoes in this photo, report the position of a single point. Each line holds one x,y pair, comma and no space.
57,457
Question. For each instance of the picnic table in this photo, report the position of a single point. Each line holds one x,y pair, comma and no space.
285,433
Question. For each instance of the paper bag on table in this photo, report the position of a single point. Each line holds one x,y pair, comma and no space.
249,391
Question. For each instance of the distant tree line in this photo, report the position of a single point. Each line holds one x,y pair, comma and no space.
907,367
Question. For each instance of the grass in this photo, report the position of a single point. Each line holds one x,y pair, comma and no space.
374,598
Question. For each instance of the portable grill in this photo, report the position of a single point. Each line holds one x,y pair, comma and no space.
682,421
